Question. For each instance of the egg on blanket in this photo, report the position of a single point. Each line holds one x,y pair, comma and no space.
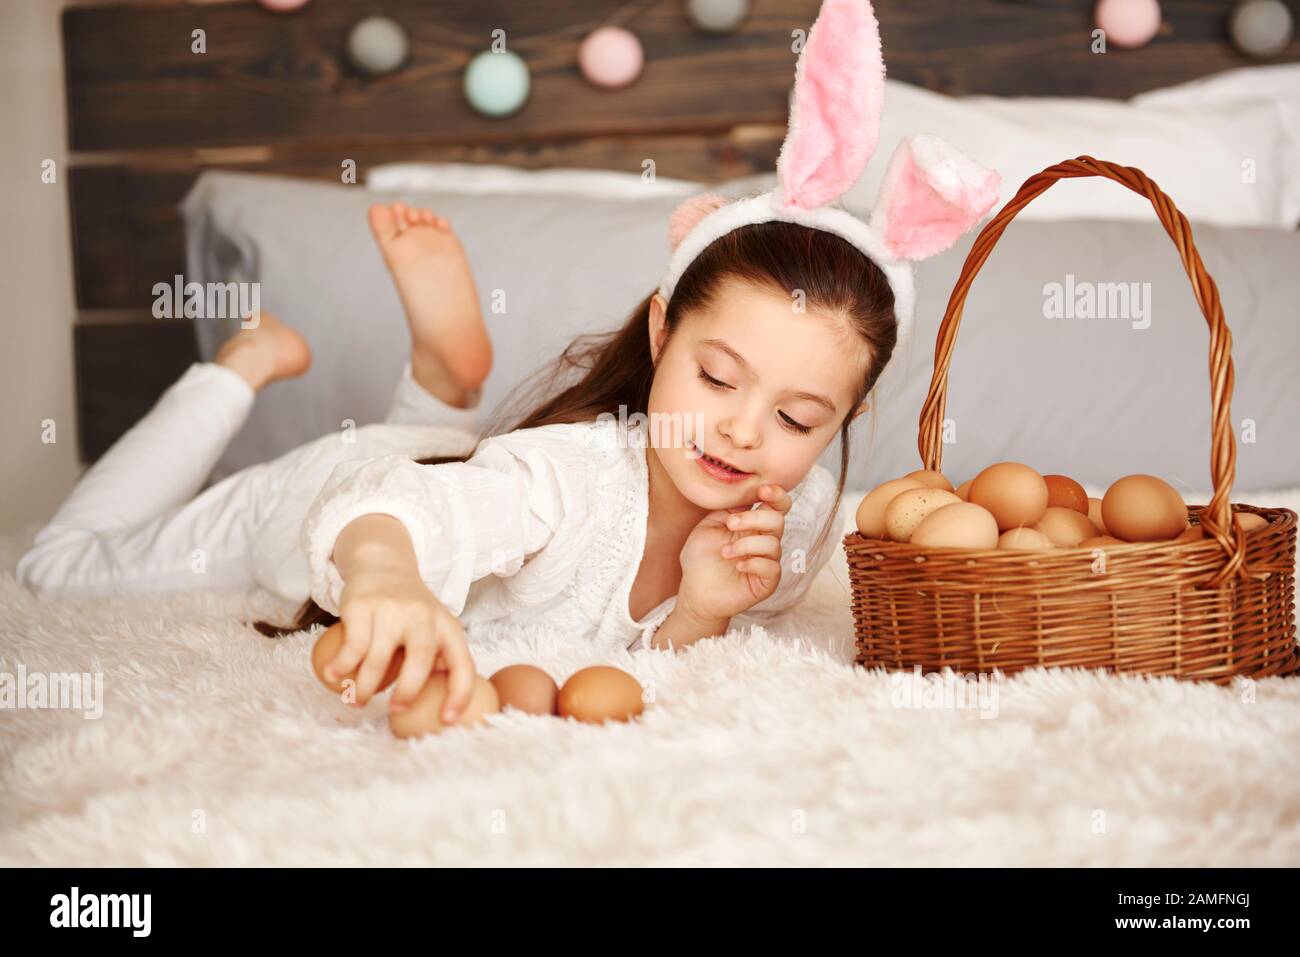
526,688
424,716
871,511
327,648
908,509
600,693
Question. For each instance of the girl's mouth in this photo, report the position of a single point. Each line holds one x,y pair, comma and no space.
718,469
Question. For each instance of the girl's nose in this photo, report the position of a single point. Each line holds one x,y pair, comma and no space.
741,432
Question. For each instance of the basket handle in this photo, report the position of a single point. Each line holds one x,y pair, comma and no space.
1217,519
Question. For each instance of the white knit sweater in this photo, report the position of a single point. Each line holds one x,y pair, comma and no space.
545,524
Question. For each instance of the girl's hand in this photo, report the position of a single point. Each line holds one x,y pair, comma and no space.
732,560
383,610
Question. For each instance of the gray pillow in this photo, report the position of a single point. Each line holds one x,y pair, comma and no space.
560,267
1091,398
1099,398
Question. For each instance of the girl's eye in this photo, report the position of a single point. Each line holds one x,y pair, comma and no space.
802,429
789,423
712,381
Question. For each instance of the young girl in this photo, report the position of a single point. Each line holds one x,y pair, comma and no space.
670,489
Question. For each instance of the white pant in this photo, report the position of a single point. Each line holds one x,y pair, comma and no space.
136,520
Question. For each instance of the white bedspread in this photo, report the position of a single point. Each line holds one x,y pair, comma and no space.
217,746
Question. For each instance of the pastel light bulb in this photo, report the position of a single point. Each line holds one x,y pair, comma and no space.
1128,23
1261,28
496,84
611,57
377,45
717,16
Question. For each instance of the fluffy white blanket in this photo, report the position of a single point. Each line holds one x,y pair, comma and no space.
216,746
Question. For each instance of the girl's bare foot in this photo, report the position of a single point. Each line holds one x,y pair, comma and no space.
451,353
268,352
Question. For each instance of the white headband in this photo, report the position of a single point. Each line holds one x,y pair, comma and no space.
930,194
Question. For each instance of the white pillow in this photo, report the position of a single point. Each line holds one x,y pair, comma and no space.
1277,84
1193,139
1195,150
473,178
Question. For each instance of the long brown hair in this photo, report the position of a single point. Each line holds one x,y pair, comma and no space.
614,369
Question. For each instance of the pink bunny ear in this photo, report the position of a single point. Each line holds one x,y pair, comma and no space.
690,212
931,194
835,117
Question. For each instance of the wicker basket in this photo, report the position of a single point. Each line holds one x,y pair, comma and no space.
1211,609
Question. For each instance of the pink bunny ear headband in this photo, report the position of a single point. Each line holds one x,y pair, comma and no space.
930,195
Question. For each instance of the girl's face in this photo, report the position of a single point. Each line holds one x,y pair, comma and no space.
753,382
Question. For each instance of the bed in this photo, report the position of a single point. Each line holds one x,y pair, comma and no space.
215,746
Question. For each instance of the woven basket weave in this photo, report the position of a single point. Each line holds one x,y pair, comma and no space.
1212,609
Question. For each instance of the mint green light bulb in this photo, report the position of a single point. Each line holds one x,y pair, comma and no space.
496,84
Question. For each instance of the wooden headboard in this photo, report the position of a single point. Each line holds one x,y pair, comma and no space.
274,93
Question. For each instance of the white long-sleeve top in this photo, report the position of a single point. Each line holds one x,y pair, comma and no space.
542,524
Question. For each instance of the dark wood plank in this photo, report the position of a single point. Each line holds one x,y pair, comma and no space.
133,82
126,232
1044,47
128,235
122,368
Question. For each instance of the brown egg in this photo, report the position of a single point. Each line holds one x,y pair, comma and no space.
1094,515
961,525
526,688
871,511
1015,494
909,508
424,716
1028,539
1065,492
1249,521
931,478
327,647
1101,541
600,693
963,490
1143,508
1065,526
